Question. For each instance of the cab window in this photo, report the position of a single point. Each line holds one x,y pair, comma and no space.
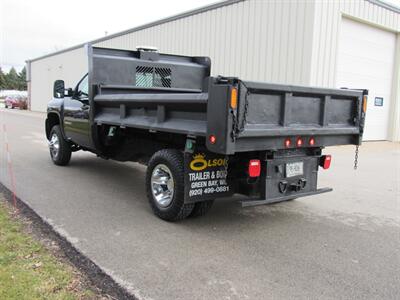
82,90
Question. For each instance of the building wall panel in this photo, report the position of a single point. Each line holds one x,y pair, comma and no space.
253,39
327,19
70,66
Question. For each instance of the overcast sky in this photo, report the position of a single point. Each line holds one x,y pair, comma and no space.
31,28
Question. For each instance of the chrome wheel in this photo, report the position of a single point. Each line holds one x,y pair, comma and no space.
54,145
162,185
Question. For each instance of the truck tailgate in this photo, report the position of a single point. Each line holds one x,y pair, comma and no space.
268,113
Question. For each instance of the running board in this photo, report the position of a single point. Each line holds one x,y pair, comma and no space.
246,203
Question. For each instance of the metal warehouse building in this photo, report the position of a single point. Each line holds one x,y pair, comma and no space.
332,43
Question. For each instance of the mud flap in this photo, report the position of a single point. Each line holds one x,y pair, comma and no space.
206,176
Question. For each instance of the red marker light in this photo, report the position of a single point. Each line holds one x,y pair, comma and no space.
312,142
254,168
212,139
299,142
287,143
325,161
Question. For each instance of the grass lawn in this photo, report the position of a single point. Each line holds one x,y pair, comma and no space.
28,270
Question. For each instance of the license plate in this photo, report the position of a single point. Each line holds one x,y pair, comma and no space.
294,169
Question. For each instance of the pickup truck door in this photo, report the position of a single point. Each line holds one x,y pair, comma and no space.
76,115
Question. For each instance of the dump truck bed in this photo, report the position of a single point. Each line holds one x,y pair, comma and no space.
166,93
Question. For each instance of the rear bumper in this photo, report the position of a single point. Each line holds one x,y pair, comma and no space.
279,184
250,202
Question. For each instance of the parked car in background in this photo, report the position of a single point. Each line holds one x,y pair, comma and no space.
16,101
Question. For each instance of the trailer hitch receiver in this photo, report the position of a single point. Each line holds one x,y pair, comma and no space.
299,185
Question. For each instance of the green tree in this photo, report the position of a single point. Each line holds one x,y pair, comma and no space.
2,80
12,79
22,80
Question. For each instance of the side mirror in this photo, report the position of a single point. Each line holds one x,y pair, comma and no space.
59,89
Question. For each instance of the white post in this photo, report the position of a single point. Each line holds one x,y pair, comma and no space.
394,130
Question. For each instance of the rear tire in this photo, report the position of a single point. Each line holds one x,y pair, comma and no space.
165,185
60,150
201,208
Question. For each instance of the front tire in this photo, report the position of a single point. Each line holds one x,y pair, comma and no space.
165,185
60,150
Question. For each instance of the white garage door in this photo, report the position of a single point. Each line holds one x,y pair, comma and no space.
366,60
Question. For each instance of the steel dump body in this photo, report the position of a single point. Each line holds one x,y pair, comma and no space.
175,94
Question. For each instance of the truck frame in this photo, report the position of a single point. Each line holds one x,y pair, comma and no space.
201,137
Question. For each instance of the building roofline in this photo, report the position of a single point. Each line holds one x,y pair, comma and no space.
386,5
177,17
145,26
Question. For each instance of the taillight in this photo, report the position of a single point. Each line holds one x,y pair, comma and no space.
364,104
325,161
299,142
311,141
234,98
287,143
212,138
254,168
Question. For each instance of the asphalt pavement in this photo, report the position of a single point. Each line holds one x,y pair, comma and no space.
340,245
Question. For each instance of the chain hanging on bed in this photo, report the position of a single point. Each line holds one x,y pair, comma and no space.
356,158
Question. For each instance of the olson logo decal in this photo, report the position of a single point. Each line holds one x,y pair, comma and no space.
200,163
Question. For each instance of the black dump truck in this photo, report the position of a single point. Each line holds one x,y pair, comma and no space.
201,137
